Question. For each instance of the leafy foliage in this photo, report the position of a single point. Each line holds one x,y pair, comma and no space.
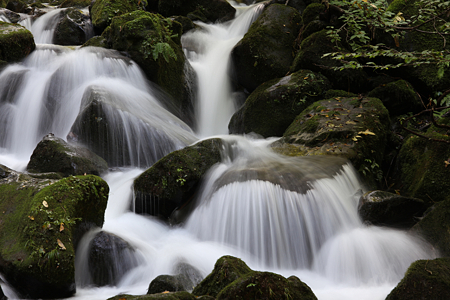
362,21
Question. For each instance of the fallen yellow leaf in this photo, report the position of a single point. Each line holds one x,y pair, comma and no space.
367,132
31,218
61,227
45,203
350,123
60,244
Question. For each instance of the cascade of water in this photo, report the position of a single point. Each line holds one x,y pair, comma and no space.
294,216
47,93
44,27
208,51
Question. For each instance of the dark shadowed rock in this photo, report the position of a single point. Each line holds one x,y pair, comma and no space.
211,10
171,283
53,154
387,209
272,107
172,181
265,52
74,28
110,257
424,279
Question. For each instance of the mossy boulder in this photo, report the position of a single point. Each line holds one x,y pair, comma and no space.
161,296
424,279
173,181
423,166
226,270
103,11
310,57
398,97
272,107
387,209
233,279
17,6
73,28
266,285
16,42
211,10
104,267
312,12
153,42
435,227
356,128
53,154
170,283
40,228
266,50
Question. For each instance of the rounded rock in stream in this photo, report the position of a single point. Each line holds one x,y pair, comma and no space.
110,257
41,226
53,154
16,42
74,28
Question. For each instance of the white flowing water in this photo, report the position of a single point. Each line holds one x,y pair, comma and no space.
292,216
208,51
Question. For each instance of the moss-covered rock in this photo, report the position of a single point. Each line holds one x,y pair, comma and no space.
424,279
170,283
161,296
153,42
16,42
355,128
423,165
172,181
272,107
41,225
312,12
266,50
398,97
310,57
387,209
53,154
266,285
233,279
212,10
74,28
103,11
17,6
435,227
226,270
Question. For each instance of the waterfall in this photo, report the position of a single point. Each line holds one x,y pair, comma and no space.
290,215
44,27
55,85
208,51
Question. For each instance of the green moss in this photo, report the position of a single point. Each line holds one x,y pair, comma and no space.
40,229
425,174
103,11
312,12
424,279
226,270
272,107
338,93
75,3
162,296
16,42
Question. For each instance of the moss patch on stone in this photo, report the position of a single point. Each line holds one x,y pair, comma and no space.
172,181
272,107
355,128
424,279
40,228
16,42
